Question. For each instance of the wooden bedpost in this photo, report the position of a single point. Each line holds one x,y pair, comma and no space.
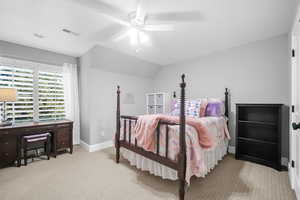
182,152
118,127
226,103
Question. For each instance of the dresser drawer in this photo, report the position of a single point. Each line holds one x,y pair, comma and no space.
8,143
63,136
3,133
7,158
63,144
41,129
8,150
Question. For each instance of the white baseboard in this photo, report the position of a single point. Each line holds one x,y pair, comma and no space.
297,188
96,147
231,149
291,175
84,145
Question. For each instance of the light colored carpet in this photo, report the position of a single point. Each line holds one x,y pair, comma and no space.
96,176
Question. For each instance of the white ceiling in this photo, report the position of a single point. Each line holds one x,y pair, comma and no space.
225,24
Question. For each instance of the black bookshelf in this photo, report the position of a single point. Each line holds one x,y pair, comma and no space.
258,133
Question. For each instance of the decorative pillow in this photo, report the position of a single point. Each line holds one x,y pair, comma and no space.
220,100
192,108
215,108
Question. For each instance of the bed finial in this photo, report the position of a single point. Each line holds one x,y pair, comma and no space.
182,85
174,94
118,87
182,77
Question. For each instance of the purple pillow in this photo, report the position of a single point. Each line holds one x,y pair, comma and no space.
214,109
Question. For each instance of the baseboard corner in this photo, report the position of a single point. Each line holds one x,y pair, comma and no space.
96,147
231,149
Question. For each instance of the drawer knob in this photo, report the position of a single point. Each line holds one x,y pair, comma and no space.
6,143
5,154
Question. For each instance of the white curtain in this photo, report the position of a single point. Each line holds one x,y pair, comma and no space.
72,98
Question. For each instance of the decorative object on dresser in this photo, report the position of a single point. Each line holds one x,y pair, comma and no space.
10,138
259,129
156,103
7,95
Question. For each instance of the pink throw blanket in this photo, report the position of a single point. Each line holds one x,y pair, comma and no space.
146,127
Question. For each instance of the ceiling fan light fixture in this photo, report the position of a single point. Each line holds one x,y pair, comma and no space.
144,38
133,35
137,37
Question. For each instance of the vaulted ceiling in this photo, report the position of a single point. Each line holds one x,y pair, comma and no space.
223,24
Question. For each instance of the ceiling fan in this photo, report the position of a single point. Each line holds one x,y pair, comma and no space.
136,23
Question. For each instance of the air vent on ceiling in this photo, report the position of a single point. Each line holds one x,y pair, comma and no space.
38,35
70,32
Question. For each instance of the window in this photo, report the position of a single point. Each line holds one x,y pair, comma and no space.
40,93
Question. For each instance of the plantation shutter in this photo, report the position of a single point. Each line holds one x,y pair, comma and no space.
51,96
22,80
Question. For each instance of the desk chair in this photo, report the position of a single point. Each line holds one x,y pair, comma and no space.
36,142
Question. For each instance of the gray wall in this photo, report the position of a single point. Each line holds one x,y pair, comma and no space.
101,70
12,50
255,73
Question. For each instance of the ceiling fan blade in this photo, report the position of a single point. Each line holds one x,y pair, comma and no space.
109,33
108,10
189,16
120,36
140,14
158,27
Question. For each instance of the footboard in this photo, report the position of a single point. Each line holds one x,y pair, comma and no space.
126,142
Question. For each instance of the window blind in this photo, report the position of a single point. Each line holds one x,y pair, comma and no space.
51,96
22,80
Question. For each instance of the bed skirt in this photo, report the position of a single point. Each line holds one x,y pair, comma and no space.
211,159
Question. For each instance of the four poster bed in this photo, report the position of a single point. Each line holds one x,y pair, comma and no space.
171,154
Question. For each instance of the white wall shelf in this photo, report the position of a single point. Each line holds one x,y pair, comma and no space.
156,103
